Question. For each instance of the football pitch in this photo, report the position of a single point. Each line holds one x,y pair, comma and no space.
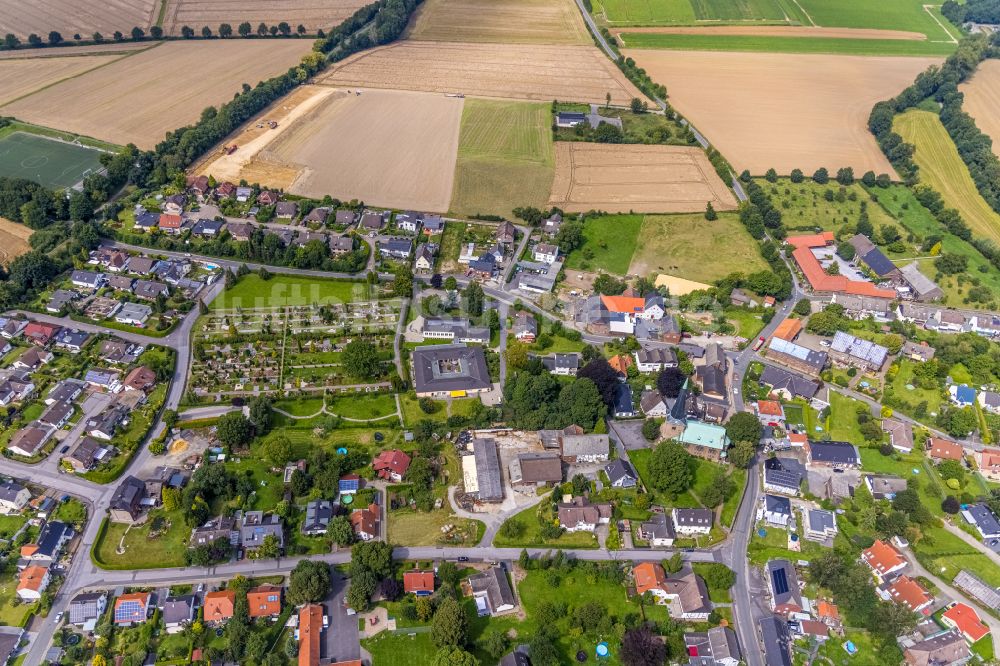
52,163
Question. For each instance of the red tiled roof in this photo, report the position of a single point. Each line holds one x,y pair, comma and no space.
942,449
769,408
813,628
310,627
989,458
828,609
965,619
259,602
818,278
32,578
623,304
648,576
393,460
170,221
904,590
620,363
418,581
788,329
882,557
219,605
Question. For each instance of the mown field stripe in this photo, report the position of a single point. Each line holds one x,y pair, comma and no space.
768,44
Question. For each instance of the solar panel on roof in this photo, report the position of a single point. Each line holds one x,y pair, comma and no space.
780,581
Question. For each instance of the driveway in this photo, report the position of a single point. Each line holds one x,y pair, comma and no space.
629,433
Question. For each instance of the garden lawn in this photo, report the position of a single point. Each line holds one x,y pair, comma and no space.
363,406
608,245
700,470
389,649
408,527
560,345
11,614
747,322
843,421
732,503
900,389
300,406
530,533
289,291
11,524
804,206
141,552
412,412
689,246
832,651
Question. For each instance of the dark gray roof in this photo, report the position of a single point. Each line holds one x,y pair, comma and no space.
488,473
623,399
178,609
784,583
660,525
777,504
693,517
878,262
450,368
618,469
777,641
821,520
494,582
839,453
784,472
53,534
318,515
985,519
789,381
128,494
708,648
10,490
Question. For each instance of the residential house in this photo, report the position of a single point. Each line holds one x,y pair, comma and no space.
883,559
67,390
770,412
56,415
450,370
742,298
87,279
319,513
32,583
349,484
580,515
962,395
178,612
783,588
419,583
48,548
820,525
545,253
208,228
86,608
409,221
227,190
716,647
104,425
146,221
812,630
947,648
551,225
685,593
87,454
18,387
366,522
658,530
832,454
853,351
149,290
131,608
908,592
257,526
134,314
624,406
391,465
621,313
32,359
60,301
140,378
525,327
788,385
942,449
286,210
536,468
988,461
395,248
433,224
240,231
12,327
655,359
309,634
119,352
777,641
29,440
127,501
492,592
884,487
652,404
218,606
41,333
915,351
621,474
566,364
264,601
692,521
796,357
990,401
174,204
900,434
13,497
983,519
775,510
373,222
580,448
141,265
966,620
220,527
922,288
170,223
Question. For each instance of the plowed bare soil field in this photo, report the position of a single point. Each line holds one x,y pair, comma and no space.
312,14
640,178
70,17
389,148
506,71
767,110
503,21
139,98
982,99
24,76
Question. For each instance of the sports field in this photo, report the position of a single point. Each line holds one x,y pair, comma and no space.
942,168
52,163
505,157
504,21
691,247
982,99
764,110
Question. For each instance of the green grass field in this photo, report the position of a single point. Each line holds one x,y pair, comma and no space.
901,203
47,161
662,12
689,246
505,157
364,406
771,44
609,244
942,168
883,15
805,208
288,291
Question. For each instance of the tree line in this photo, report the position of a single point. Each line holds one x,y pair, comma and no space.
137,34
977,11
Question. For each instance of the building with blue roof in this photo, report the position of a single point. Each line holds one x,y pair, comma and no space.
962,395
349,484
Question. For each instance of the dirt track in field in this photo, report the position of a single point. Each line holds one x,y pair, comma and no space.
764,110
69,17
506,71
982,100
23,77
502,21
140,98
312,14
388,148
641,178
780,31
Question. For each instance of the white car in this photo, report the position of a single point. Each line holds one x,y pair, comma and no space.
59,617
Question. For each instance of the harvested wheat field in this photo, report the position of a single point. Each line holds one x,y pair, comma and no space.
13,240
639,178
389,148
766,110
506,71
111,48
70,17
140,98
27,75
313,14
503,21
255,135
982,99
778,31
